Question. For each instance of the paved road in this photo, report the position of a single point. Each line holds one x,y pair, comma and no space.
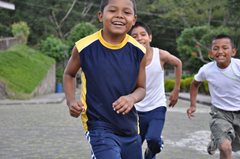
46,131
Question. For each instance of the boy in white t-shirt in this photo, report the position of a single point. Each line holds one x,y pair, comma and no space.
223,76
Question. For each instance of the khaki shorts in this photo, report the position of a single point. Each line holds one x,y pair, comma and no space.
225,125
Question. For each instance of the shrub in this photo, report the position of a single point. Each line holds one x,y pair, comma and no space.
54,47
80,31
169,85
185,84
21,30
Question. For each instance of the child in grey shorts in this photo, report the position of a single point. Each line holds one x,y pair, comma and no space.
223,76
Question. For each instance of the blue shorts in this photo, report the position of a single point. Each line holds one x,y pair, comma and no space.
151,125
106,145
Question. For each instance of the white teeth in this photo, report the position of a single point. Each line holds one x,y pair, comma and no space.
117,23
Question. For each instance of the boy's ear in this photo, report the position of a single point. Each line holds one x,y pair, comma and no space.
234,52
100,17
150,36
135,19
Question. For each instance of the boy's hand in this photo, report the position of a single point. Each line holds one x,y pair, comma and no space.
123,104
190,111
75,108
173,98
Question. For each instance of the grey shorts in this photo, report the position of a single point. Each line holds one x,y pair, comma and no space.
225,125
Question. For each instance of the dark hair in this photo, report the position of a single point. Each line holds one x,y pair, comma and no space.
141,24
105,2
224,36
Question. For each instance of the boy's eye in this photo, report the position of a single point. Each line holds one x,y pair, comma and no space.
128,12
225,48
134,35
112,10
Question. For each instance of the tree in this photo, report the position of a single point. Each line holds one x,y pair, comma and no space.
194,43
79,31
49,17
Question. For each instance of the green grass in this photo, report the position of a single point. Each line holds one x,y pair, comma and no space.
22,69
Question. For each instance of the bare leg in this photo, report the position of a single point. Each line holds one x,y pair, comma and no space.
225,150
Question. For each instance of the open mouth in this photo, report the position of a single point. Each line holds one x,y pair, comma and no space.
117,23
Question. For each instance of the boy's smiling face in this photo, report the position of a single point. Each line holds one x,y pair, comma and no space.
142,36
222,51
117,17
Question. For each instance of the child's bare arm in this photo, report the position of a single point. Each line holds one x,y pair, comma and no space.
193,96
75,107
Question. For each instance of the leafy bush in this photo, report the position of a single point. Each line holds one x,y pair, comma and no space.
185,84
80,31
59,74
169,85
54,47
21,30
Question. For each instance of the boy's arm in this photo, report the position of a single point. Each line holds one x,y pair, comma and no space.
139,93
193,96
125,103
166,57
75,107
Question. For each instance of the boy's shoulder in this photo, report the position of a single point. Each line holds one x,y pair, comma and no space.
207,67
82,43
236,60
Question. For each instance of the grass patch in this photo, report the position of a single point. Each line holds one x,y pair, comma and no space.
23,68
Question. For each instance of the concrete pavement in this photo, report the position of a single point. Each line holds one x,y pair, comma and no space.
53,98
59,98
45,130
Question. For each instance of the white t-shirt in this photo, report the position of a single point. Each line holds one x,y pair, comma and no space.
224,84
155,92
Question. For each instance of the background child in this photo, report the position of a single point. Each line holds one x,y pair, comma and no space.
113,79
152,108
223,76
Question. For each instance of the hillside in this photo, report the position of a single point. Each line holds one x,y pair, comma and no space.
21,70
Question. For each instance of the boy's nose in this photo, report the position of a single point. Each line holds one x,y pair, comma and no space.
119,14
138,38
220,50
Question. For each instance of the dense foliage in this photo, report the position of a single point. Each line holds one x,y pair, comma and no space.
194,44
54,47
79,31
21,30
181,27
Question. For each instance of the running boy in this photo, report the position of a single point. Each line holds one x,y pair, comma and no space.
223,76
113,79
152,108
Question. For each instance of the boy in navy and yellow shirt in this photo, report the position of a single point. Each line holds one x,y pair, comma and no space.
113,79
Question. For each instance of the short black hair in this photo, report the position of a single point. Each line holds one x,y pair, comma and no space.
224,36
105,2
141,24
